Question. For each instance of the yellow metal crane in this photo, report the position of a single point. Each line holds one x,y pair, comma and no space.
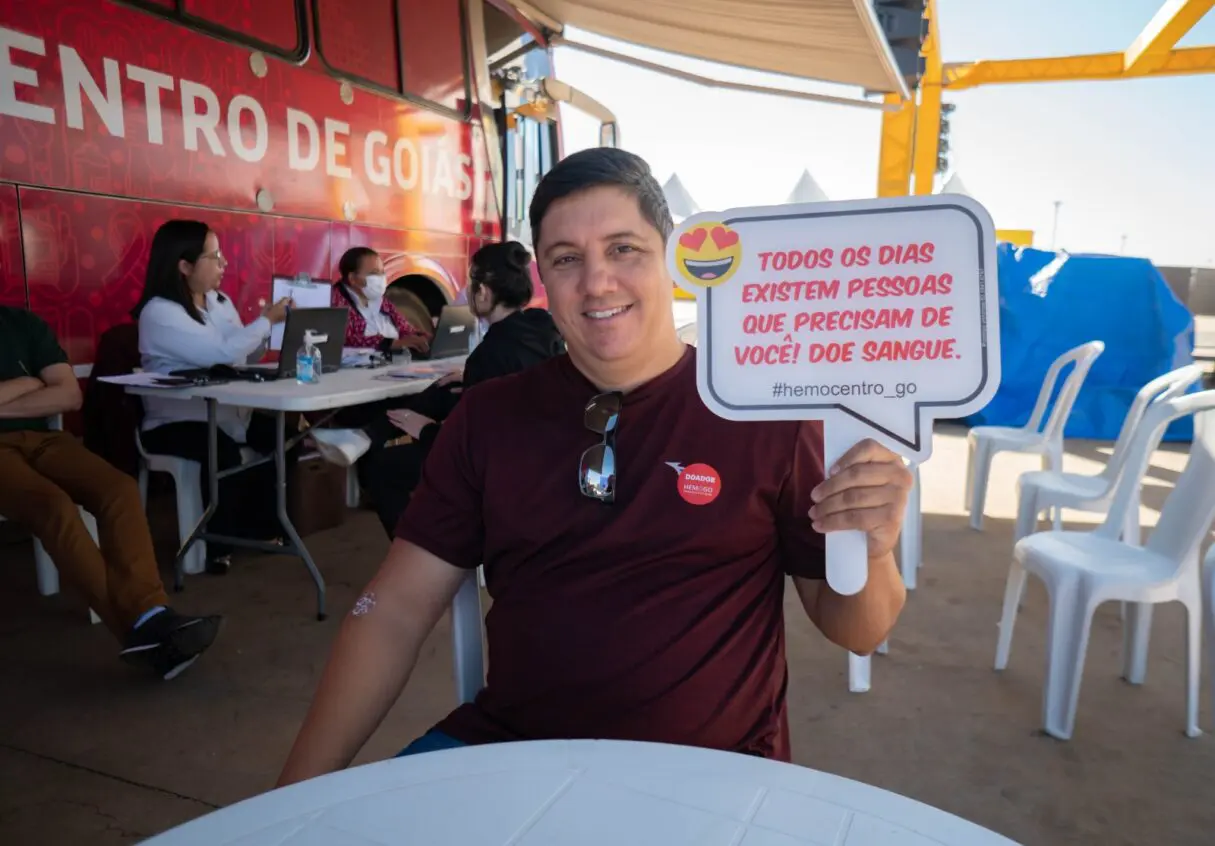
911,129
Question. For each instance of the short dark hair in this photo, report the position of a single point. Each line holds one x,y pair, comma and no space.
174,241
352,259
504,269
598,167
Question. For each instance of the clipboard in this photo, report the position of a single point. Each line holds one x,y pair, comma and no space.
304,291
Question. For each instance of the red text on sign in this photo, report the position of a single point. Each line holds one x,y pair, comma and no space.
907,253
754,324
908,350
783,292
854,257
900,286
796,259
833,352
770,354
937,316
848,321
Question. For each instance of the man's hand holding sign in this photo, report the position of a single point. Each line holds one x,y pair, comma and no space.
873,316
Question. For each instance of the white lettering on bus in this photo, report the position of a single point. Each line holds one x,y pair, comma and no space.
335,148
193,122
153,83
261,131
77,80
435,165
404,147
12,75
378,167
295,121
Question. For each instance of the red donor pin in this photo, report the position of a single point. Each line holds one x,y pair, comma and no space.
699,484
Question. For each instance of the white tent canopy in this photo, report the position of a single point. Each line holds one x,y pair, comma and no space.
678,199
807,190
955,185
836,41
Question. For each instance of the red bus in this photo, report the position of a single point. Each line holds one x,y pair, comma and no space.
295,128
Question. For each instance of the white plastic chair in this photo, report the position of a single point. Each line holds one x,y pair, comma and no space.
985,441
1208,568
187,476
910,560
468,652
1081,570
1040,490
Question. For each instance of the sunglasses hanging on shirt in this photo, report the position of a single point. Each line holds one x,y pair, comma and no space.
597,470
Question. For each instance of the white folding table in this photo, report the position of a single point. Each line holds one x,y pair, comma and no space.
342,389
580,793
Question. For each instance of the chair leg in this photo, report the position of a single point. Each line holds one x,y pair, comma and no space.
1130,526
1193,663
1028,511
143,484
189,511
353,494
45,570
1052,460
1136,635
971,449
1207,600
1066,645
977,482
1014,589
858,673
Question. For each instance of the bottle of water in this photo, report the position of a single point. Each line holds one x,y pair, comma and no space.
308,366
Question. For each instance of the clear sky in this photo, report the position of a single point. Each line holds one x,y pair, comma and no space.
1130,158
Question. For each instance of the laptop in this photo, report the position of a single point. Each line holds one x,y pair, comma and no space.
328,322
456,325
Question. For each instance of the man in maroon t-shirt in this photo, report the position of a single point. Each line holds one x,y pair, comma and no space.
635,545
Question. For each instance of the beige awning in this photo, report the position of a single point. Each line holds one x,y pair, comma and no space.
830,40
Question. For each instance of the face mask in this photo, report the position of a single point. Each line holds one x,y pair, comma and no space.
376,286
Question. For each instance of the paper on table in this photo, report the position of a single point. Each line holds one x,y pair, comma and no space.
421,370
147,380
306,294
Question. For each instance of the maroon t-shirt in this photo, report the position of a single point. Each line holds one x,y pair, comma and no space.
658,617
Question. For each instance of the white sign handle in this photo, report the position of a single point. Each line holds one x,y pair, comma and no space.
848,551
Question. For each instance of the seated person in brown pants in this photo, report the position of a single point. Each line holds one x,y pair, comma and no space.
45,474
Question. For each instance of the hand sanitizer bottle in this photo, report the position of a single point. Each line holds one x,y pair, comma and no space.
308,365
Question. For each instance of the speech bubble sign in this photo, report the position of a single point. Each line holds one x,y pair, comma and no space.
875,316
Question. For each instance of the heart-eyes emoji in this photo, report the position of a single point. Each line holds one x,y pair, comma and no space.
708,254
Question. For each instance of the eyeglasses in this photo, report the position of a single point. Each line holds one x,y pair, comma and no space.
597,470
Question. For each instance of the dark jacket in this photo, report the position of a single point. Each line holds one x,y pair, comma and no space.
512,344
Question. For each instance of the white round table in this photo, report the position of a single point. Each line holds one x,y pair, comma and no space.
581,793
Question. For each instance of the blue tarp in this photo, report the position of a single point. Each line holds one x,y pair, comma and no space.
1050,303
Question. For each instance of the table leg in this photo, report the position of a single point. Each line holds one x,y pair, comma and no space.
179,574
295,544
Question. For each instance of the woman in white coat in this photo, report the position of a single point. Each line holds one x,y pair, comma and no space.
185,322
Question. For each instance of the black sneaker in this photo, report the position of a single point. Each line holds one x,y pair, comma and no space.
169,642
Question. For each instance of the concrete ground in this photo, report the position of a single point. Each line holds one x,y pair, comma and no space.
94,753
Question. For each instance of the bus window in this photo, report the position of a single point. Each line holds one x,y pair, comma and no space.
272,22
432,51
357,38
